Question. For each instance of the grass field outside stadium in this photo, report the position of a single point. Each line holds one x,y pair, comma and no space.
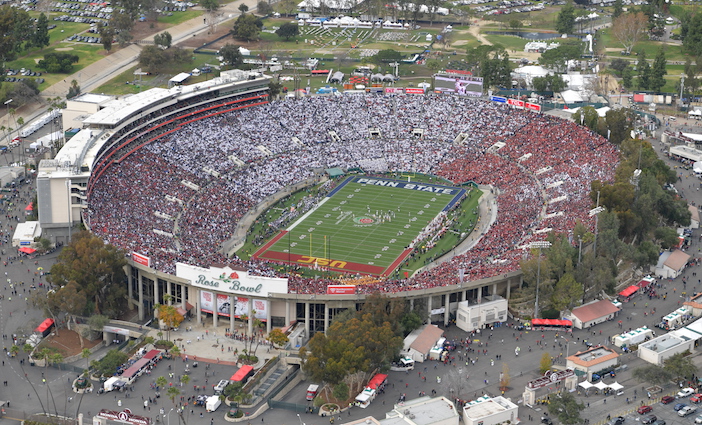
369,225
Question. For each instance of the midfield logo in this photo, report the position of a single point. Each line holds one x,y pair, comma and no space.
322,262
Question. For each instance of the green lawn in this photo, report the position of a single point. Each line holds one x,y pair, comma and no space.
180,17
118,85
87,54
64,30
509,42
363,227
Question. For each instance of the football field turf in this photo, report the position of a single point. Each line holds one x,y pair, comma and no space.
365,225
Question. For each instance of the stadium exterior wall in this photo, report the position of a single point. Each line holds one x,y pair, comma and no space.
147,287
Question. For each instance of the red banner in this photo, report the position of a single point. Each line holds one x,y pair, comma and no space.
457,71
414,90
341,290
141,259
516,102
533,107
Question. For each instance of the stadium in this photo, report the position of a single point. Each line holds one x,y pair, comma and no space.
177,177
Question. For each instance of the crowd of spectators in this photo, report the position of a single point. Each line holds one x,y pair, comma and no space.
238,158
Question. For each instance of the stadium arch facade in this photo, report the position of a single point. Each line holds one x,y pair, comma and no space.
220,292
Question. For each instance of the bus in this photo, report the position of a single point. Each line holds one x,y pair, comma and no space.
552,324
243,374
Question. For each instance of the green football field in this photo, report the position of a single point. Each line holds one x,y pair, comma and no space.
365,225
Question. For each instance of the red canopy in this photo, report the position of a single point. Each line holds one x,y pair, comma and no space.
27,250
242,373
550,322
43,326
629,291
30,207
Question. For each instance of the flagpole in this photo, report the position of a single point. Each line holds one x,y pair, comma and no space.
310,244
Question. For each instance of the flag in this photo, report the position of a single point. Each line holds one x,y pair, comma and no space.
406,275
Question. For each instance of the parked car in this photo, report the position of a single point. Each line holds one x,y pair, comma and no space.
685,392
644,409
698,420
619,420
667,399
659,422
679,406
697,398
687,410
649,419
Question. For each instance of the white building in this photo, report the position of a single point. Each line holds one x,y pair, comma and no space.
423,411
490,411
593,360
665,346
490,309
694,217
419,343
81,107
25,233
593,313
671,264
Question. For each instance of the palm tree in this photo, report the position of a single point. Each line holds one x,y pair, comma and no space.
86,355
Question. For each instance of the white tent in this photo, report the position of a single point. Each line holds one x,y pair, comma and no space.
616,386
571,96
600,385
586,385
697,167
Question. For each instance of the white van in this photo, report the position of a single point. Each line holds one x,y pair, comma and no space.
221,385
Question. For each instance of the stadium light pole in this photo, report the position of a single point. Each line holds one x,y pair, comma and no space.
596,212
538,245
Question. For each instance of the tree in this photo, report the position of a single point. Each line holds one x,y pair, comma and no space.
504,377
209,5
567,293
163,40
691,33
85,353
667,237
170,317
288,30
98,271
386,56
618,65
587,116
643,70
247,27
618,124
71,300
627,77
658,71
155,60
566,19
40,38
545,364
15,31
629,28
277,338
56,62
566,408
653,374
107,33
618,9
286,7
108,365
264,8
341,391
243,8
515,24
274,88
558,58
410,321
680,366
349,347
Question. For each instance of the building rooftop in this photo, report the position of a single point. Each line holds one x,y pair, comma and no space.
91,98
594,310
662,343
486,406
421,411
593,356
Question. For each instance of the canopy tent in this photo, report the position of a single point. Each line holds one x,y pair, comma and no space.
27,250
629,291
586,385
377,77
600,385
616,386
697,167
388,78
30,207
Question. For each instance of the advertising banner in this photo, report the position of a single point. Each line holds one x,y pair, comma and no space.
341,290
224,305
229,281
411,90
206,301
516,102
141,259
533,107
